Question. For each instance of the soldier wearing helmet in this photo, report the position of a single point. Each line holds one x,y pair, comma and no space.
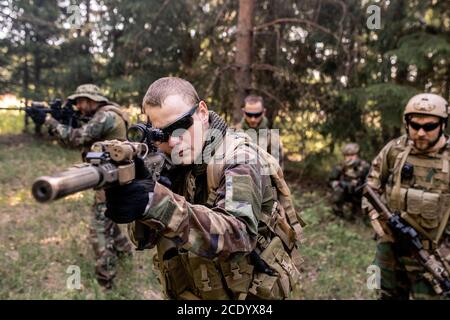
345,179
107,122
411,173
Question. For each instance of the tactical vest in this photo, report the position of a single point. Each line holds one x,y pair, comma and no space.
353,173
120,132
185,275
418,187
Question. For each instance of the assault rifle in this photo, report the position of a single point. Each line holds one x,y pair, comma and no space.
406,235
110,162
37,111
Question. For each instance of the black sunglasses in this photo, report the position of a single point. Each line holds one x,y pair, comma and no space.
426,127
253,114
183,122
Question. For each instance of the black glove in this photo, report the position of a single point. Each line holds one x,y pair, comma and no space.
37,115
125,204
55,110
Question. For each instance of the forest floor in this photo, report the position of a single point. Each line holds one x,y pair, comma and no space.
41,244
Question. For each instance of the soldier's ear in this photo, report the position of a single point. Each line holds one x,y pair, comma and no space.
203,112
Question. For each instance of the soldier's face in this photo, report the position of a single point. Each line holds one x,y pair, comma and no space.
253,114
85,106
81,104
184,145
422,138
350,157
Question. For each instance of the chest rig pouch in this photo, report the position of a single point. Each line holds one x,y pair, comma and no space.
280,228
419,188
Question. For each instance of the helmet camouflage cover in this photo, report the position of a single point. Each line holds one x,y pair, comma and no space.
89,91
350,148
427,104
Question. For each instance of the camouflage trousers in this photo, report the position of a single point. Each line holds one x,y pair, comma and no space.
341,197
402,277
108,243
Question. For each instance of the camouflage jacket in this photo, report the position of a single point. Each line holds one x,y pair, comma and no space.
227,225
353,174
208,230
106,124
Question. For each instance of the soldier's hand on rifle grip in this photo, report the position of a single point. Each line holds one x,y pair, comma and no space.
127,203
37,115
379,226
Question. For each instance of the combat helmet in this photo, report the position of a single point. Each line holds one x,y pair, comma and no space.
427,104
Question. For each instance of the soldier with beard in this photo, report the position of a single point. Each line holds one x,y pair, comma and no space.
411,173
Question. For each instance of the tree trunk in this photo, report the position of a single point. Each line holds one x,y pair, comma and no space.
271,58
242,76
25,85
37,74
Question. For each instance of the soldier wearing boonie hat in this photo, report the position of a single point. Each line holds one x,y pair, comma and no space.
107,122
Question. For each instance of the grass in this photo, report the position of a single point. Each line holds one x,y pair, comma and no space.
38,242
337,253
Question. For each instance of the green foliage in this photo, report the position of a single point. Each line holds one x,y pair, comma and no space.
422,50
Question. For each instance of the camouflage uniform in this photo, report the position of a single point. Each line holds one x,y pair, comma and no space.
107,123
415,183
344,180
264,137
217,218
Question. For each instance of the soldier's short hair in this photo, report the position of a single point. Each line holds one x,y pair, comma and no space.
164,87
253,99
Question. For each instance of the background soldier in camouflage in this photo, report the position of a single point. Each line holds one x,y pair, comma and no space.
254,117
221,230
107,122
412,175
345,178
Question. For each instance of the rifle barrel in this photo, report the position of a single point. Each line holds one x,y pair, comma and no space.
13,108
75,179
